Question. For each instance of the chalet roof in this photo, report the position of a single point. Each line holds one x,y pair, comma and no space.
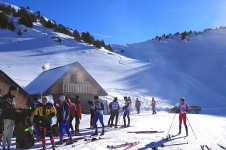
11,82
47,79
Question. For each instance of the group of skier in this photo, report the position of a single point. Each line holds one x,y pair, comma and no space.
65,111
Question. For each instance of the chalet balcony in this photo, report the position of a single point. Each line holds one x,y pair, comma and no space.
77,88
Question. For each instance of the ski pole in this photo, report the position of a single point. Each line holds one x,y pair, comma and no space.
191,128
171,124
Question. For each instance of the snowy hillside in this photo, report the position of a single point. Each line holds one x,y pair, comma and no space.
193,68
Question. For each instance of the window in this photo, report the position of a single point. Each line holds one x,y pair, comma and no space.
73,78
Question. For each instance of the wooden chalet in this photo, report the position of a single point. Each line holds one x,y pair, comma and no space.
70,80
5,82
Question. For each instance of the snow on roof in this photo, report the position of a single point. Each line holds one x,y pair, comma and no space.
46,79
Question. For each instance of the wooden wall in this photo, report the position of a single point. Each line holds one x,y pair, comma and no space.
20,99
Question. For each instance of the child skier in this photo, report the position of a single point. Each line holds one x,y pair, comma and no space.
182,110
99,110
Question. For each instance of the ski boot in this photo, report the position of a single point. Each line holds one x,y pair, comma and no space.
43,147
60,142
186,128
70,141
179,130
53,147
3,147
95,133
102,133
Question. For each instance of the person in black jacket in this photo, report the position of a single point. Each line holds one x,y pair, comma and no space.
8,115
115,112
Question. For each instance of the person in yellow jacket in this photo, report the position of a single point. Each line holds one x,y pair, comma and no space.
42,116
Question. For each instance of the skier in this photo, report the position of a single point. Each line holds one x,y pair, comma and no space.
78,115
72,114
63,119
99,110
137,105
42,116
182,110
36,103
153,104
126,109
8,115
92,113
115,111
110,118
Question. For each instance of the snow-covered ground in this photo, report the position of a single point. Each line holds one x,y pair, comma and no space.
209,130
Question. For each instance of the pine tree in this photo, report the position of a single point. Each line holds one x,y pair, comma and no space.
3,20
76,35
11,26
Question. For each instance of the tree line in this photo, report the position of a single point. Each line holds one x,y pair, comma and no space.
27,18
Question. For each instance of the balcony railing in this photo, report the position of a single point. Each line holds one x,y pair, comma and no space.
77,88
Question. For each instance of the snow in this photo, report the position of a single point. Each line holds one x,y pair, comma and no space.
209,130
166,70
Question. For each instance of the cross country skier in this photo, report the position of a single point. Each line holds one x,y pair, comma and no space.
35,104
92,113
183,109
99,110
63,119
137,105
110,118
42,116
115,111
8,115
78,115
126,109
153,104
72,114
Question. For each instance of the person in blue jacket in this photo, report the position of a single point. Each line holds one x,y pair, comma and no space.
63,117
99,110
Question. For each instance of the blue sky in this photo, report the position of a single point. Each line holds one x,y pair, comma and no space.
129,21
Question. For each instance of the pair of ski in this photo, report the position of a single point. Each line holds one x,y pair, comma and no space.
127,145
144,132
204,147
169,137
168,145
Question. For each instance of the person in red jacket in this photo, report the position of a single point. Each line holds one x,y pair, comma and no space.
182,110
72,114
78,115
138,105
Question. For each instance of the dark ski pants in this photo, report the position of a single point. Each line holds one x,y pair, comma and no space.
126,113
42,129
92,116
138,110
115,114
77,122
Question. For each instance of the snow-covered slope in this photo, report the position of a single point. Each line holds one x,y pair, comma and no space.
193,68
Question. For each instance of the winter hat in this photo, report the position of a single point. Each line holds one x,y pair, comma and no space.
62,97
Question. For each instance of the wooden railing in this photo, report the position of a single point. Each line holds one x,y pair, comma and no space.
77,88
